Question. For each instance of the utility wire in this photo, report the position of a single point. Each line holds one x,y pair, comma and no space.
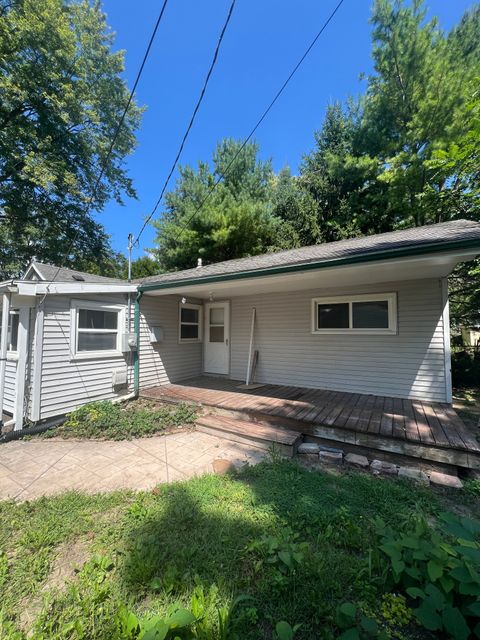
258,123
190,124
117,131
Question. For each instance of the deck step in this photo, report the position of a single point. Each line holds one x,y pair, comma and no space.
257,435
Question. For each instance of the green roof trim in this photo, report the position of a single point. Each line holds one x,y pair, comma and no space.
373,256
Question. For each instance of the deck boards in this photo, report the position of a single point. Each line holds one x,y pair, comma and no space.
416,421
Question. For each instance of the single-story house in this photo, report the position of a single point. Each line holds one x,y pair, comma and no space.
365,315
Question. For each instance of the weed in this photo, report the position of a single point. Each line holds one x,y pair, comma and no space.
106,421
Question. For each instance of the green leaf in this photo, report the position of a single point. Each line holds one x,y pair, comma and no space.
473,609
414,592
369,625
286,558
283,630
434,570
428,617
180,619
454,623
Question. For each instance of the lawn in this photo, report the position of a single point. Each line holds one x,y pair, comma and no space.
232,557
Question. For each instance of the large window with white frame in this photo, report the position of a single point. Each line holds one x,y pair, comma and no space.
96,329
190,322
367,314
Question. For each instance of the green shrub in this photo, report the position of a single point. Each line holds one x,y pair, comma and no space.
106,421
465,368
440,571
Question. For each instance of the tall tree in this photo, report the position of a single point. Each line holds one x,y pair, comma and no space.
61,97
236,220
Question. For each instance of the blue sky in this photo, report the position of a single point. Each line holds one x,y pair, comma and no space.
264,40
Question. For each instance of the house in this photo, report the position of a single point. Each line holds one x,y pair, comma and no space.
66,342
366,315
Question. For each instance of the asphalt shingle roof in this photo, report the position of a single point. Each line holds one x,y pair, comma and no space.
435,234
51,273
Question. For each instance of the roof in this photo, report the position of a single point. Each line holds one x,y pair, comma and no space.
51,273
435,237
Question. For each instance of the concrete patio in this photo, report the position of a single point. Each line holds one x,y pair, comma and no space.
35,468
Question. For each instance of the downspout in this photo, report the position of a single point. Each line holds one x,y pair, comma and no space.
136,354
3,350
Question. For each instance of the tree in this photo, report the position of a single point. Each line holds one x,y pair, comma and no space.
145,266
61,98
235,220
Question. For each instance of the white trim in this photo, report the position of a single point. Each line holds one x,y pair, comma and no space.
199,324
390,298
75,305
18,410
3,346
446,339
32,267
32,288
37,364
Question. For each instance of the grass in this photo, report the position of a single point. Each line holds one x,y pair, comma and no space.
293,543
138,419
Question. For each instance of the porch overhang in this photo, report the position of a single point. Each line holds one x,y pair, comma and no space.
411,263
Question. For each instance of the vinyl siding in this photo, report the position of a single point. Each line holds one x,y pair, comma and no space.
67,383
407,365
169,360
10,382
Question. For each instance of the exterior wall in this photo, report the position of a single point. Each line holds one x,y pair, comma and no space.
410,364
10,382
169,360
67,383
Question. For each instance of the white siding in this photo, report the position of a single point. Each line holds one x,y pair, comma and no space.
410,364
67,383
10,382
169,360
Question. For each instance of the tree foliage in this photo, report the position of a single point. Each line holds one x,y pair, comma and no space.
61,98
236,220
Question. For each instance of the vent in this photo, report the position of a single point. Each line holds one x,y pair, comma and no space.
78,277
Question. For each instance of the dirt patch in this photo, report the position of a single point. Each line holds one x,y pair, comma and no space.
69,558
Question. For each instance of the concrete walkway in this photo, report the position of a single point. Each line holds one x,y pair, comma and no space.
34,468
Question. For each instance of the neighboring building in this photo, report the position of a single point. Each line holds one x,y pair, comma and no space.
471,336
367,315
66,342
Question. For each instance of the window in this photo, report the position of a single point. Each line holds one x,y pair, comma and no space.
12,331
96,329
372,313
190,329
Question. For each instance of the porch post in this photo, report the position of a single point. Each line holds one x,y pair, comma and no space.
3,348
22,347
136,354
446,340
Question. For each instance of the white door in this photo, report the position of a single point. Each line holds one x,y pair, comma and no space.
217,338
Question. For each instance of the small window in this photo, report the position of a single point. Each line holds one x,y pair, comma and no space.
12,331
190,323
96,329
375,313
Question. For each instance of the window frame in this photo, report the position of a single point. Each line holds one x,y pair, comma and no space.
390,298
78,305
199,324
12,354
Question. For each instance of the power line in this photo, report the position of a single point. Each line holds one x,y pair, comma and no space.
260,120
117,131
190,124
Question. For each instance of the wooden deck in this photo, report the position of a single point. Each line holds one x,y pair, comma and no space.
415,422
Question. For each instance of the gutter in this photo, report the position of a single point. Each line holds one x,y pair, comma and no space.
136,354
309,266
